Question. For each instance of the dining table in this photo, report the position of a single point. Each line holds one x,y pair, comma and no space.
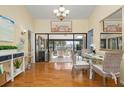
91,57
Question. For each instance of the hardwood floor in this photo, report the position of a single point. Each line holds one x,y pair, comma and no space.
55,75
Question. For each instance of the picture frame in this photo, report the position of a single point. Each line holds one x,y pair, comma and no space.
61,26
112,26
7,29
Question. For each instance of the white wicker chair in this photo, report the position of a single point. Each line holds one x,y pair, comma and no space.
79,64
110,66
84,55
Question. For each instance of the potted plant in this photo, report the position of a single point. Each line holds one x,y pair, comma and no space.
78,47
17,64
7,49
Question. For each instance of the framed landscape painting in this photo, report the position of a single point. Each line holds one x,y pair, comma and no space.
58,26
112,26
7,29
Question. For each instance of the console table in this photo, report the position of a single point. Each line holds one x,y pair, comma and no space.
9,59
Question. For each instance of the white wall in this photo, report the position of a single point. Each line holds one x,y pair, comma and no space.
122,63
99,14
44,26
22,19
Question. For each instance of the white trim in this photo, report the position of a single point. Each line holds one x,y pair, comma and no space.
33,46
122,82
7,52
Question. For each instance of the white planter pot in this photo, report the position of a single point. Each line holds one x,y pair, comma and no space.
11,51
18,70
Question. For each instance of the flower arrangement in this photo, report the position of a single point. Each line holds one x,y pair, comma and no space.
93,49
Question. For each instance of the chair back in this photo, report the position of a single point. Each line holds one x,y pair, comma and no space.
112,61
85,51
74,58
101,53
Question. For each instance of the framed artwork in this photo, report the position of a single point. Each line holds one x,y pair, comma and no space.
58,26
7,29
112,26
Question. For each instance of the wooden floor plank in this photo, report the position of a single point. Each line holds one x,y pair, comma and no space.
56,75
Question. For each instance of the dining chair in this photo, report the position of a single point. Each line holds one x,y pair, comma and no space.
110,66
79,65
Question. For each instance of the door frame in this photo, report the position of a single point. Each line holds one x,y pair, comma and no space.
56,34
91,32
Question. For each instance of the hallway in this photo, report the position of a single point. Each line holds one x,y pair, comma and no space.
56,75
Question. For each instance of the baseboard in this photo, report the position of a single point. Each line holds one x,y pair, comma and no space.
122,82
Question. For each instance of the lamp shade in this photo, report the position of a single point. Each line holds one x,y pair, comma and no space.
58,14
61,9
55,11
64,14
67,11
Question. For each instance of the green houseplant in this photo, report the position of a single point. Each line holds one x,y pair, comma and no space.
78,47
7,47
17,63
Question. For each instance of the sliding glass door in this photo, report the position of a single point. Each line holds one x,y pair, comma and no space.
42,48
79,42
58,45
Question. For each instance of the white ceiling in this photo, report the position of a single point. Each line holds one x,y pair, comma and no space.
117,15
46,11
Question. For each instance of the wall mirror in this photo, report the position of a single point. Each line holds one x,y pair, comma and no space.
111,37
111,41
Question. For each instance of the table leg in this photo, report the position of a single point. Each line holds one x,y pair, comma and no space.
91,73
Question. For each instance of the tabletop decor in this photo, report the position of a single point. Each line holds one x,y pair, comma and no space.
7,47
17,63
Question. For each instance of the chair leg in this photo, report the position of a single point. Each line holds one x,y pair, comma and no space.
118,81
93,74
88,73
104,81
72,70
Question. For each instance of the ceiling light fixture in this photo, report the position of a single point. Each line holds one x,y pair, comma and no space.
61,13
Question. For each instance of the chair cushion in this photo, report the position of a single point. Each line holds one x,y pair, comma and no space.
81,64
78,58
99,70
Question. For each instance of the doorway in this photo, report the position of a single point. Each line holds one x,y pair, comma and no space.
58,47
89,38
61,47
